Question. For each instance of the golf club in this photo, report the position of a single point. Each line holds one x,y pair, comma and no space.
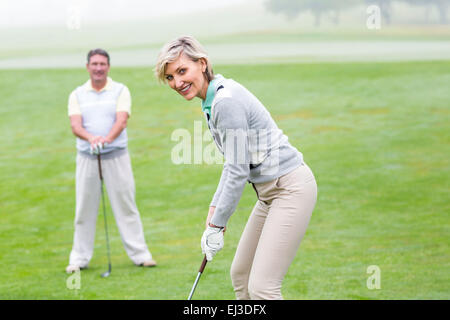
200,271
106,273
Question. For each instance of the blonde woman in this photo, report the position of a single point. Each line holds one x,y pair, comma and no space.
255,151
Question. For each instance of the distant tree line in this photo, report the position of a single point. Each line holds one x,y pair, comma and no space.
332,8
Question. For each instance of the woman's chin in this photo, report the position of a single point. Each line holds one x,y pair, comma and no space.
188,96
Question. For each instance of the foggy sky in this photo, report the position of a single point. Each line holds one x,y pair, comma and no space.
19,13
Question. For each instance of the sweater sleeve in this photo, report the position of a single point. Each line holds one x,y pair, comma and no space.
223,178
232,126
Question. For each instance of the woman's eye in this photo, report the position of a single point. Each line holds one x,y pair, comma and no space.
182,71
169,78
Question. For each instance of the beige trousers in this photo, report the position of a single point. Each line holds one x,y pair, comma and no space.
273,234
119,182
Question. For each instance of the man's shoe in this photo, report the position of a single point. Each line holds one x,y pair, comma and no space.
148,263
71,268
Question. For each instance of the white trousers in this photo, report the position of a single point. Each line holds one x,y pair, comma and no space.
273,234
119,182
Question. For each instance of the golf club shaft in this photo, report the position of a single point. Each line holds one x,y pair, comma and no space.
200,271
104,212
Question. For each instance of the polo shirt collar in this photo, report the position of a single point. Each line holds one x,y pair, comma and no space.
210,94
89,86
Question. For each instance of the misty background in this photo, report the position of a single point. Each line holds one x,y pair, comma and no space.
58,33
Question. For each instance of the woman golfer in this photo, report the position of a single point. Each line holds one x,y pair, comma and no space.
255,151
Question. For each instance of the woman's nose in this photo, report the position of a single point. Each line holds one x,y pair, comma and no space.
178,82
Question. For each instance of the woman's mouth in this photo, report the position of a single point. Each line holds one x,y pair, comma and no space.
185,89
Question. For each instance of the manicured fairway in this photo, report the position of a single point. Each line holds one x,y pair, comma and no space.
376,136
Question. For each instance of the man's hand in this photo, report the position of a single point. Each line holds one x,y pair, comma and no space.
76,123
94,140
96,148
212,241
97,144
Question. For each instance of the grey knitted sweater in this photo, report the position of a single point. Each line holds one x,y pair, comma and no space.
254,148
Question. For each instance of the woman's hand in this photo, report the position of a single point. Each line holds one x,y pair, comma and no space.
209,217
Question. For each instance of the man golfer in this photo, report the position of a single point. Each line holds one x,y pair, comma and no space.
98,111
256,151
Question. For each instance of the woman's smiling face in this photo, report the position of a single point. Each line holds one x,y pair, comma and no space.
187,77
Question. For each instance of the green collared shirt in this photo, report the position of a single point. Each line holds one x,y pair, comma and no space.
210,94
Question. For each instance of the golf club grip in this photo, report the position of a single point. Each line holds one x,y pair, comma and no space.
99,167
202,267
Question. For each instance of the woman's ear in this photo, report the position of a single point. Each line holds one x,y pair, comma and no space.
203,64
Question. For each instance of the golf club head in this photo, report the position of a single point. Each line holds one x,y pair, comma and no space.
106,273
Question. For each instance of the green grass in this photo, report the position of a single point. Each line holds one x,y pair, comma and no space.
375,134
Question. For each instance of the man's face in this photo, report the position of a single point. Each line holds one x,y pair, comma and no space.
98,68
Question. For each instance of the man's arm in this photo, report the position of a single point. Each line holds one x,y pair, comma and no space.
82,133
118,127
76,123
123,111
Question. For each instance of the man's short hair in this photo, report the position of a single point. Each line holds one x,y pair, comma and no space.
99,51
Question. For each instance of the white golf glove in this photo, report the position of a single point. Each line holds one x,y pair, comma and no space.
212,242
97,149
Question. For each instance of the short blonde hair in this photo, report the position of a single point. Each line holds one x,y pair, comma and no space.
173,49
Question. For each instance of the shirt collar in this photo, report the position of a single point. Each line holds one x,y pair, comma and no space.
210,94
89,86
